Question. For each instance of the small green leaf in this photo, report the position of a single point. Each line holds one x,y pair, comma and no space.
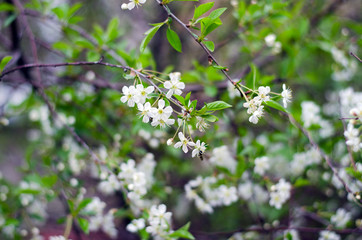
49,181
180,99
183,232
83,204
217,13
217,105
218,67
112,31
301,182
6,7
210,118
174,40
4,62
203,8
210,45
150,33
83,224
187,98
275,105
84,44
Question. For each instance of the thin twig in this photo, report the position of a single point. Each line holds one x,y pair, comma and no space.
354,55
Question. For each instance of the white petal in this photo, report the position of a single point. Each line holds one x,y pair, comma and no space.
167,85
181,136
161,103
185,149
150,89
178,144
124,99
194,152
131,5
169,94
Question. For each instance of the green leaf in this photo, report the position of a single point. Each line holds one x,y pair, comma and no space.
203,8
218,67
187,98
112,31
217,13
275,105
84,44
210,118
301,182
174,40
83,204
6,7
217,105
4,62
74,9
150,33
49,181
9,20
210,45
180,99
83,224
183,232
240,167
208,25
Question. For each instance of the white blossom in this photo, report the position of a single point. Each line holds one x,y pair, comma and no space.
199,148
184,143
286,95
328,235
136,225
174,85
130,96
145,111
222,157
341,218
261,165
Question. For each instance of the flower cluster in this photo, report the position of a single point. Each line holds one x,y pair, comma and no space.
158,222
353,139
255,107
303,159
280,193
99,220
341,218
345,68
207,194
328,235
275,45
222,157
261,165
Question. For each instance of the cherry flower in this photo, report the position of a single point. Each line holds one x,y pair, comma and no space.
130,96
256,115
184,142
287,95
174,85
161,115
132,4
145,111
201,124
142,93
162,112
199,147
263,93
